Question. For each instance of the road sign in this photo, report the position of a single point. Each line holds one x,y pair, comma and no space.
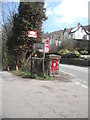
45,40
32,34
46,48
41,50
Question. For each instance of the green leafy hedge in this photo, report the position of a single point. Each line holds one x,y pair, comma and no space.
84,52
65,53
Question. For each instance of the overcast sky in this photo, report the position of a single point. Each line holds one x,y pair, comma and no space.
65,13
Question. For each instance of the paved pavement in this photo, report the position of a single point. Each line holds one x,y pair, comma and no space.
81,73
29,98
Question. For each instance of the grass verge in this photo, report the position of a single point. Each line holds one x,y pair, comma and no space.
39,76
27,74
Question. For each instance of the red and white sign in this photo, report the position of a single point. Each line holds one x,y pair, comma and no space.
46,48
32,34
40,50
45,40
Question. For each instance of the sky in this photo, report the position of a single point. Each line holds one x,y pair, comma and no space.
65,14
7,8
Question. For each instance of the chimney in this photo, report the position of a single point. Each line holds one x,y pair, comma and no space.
78,25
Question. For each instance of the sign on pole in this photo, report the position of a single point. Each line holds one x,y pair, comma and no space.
45,40
41,50
32,34
46,48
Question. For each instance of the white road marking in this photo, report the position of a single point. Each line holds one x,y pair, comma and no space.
84,86
68,73
81,84
84,82
76,82
80,81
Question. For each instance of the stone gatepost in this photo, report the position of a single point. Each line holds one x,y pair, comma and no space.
52,65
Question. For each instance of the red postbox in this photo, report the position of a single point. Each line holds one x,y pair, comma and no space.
54,65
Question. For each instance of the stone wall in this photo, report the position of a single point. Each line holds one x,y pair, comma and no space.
75,61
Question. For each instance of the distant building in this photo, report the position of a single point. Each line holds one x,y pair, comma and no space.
66,33
55,37
78,32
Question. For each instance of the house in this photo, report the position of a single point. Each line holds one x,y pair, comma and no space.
78,32
66,33
55,37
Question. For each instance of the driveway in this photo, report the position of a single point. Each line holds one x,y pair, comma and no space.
29,98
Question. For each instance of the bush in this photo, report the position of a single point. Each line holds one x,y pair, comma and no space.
73,54
38,76
78,55
84,52
63,52
87,58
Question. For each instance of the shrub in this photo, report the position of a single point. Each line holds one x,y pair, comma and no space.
63,52
78,55
87,58
73,54
84,52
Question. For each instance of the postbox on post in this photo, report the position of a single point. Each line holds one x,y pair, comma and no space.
52,64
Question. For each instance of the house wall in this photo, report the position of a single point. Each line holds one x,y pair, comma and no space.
80,34
76,34
65,36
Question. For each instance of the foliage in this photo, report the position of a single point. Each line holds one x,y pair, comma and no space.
84,52
37,54
30,16
73,54
4,50
38,76
87,58
68,44
78,55
63,52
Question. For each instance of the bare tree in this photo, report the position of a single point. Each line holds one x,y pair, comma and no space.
9,9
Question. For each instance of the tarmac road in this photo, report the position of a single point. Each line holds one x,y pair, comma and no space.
80,73
29,98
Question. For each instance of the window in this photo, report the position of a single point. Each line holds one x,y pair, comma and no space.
85,37
82,30
71,35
